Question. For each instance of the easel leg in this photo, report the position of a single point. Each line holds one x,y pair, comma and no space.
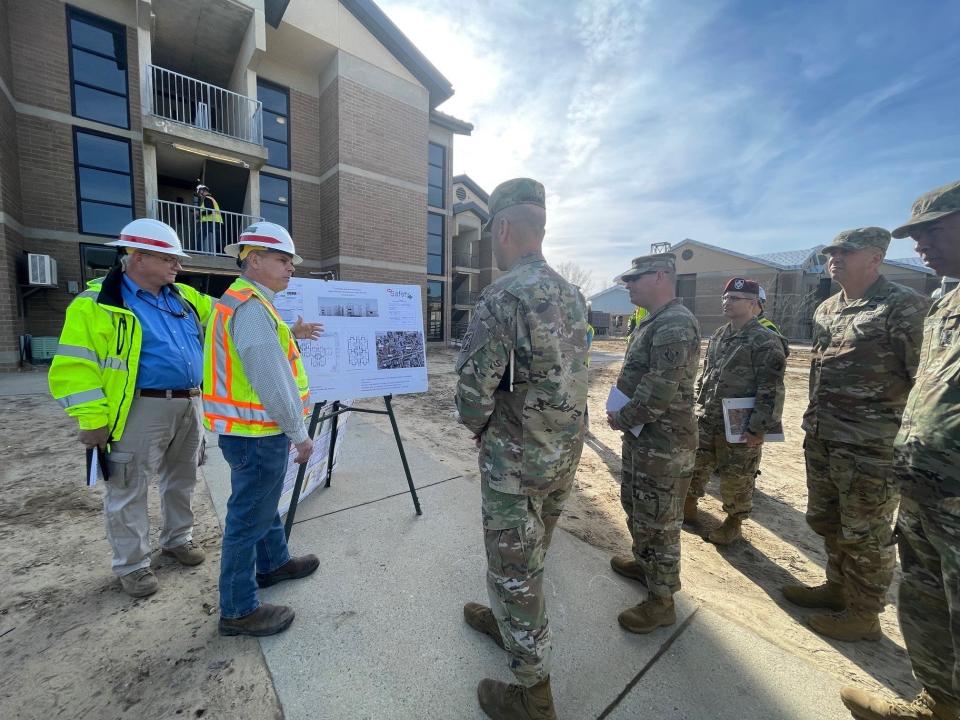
333,441
298,486
403,455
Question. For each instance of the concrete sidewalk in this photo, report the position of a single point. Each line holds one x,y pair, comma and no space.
379,630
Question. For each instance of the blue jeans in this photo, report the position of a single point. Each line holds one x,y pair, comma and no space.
253,538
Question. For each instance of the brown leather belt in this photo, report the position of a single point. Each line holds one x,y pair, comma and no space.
189,392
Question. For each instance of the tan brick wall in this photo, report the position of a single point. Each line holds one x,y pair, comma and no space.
11,325
306,219
383,135
304,133
328,216
10,198
381,221
6,63
45,309
328,140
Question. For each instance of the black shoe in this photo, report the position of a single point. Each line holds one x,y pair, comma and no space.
265,620
295,568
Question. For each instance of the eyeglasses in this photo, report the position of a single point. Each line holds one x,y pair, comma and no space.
731,298
168,259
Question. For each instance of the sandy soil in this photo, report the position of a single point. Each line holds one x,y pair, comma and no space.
740,582
73,644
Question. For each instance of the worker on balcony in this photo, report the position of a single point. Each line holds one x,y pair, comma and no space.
211,221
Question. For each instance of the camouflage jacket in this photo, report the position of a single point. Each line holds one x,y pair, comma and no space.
749,362
865,354
929,438
658,375
531,434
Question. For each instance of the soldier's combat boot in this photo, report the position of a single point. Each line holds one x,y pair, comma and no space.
865,706
481,619
649,615
727,533
501,701
625,565
690,512
829,595
849,625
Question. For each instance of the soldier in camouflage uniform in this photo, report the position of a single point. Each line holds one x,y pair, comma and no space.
523,393
744,359
866,342
658,375
927,465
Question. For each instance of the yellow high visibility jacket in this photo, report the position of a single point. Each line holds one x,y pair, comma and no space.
230,404
210,214
94,373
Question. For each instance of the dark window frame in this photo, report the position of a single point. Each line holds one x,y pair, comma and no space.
111,27
443,244
286,92
86,277
442,302
289,182
443,176
76,178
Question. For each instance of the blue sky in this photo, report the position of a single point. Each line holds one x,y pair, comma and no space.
756,125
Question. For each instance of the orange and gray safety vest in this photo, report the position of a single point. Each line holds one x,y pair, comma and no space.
230,404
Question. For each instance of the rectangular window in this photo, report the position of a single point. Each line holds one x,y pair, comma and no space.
434,310
434,244
276,123
436,170
98,68
275,199
104,182
96,260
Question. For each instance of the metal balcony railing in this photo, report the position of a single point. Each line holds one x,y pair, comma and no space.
467,260
202,238
201,105
465,297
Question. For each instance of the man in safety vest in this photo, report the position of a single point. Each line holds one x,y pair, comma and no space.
210,219
128,368
255,394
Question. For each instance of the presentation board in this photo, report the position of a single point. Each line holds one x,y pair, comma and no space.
372,344
316,473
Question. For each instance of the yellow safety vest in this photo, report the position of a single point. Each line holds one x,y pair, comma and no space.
207,215
94,373
230,404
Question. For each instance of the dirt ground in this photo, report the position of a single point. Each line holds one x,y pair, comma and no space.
72,645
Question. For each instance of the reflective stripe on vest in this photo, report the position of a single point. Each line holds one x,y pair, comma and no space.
229,402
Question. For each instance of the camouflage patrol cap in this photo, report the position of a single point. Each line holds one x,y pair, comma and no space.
868,237
934,205
648,264
519,191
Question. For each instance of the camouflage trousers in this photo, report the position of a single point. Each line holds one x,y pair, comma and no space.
851,499
653,502
735,463
929,599
517,531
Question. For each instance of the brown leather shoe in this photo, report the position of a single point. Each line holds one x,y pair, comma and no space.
187,554
294,569
866,706
849,625
502,701
646,617
830,595
265,620
628,567
727,533
481,619
140,583
690,512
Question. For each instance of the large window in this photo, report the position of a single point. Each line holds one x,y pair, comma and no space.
434,310
98,68
96,260
275,199
436,157
104,182
434,244
276,123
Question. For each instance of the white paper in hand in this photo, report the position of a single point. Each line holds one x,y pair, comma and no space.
615,401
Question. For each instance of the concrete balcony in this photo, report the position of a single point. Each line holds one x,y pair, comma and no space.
202,238
466,261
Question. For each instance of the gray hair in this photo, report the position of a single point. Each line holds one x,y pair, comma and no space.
125,260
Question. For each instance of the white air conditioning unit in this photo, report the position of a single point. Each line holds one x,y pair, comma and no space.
42,270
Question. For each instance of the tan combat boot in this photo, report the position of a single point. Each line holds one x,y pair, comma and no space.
727,533
864,706
628,567
849,625
481,619
829,595
649,615
690,512
501,701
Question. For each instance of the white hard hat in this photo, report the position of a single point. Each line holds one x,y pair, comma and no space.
266,235
201,187
763,295
153,235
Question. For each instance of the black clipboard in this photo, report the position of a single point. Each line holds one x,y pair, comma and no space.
98,467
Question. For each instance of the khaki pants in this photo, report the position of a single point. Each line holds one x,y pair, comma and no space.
161,438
